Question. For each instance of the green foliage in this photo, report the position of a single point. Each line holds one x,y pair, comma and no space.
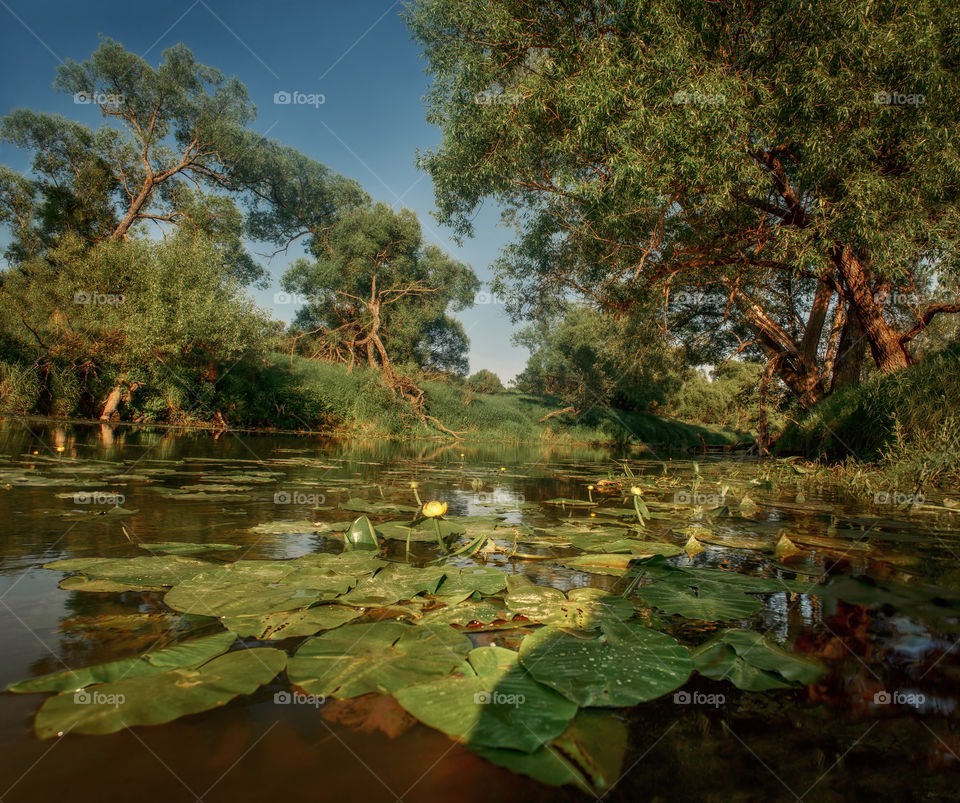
677,156
484,381
590,358
166,316
908,421
729,398
376,292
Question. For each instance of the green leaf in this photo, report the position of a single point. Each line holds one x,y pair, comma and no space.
588,753
376,657
626,665
187,653
706,600
185,547
159,697
361,535
752,662
496,703
290,624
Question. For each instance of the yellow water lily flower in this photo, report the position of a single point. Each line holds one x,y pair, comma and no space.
433,509
636,490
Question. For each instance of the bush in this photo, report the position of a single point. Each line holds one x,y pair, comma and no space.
484,381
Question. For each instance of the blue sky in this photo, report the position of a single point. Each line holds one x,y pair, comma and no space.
358,55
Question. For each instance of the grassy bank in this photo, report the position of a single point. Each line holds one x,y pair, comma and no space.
320,395
908,422
309,395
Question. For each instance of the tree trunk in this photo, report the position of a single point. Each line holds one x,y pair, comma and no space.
120,232
848,364
112,403
884,341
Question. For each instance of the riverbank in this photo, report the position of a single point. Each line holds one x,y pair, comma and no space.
907,423
281,395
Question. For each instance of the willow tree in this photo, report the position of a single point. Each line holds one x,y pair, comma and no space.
795,164
173,135
374,287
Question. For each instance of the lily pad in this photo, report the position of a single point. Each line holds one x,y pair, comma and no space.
752,662
626,665
185,547
589,753
496,703
706,600
381,657
290,624
161,696
187,653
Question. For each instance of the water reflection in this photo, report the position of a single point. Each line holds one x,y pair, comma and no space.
870,649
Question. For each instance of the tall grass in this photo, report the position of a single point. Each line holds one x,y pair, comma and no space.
906,420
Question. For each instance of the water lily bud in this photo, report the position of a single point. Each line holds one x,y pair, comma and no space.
434,509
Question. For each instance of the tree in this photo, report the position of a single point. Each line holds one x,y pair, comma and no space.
484,381
795,164
591,359
175,141
375,289
93,326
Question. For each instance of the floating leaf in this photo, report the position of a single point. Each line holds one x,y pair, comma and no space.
562,502
159,697
496,703
185,547
626,665
588,753
710,601
376,657
290,624
485,579
288,527
752,662
396,582
377,508
187,653
141,572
